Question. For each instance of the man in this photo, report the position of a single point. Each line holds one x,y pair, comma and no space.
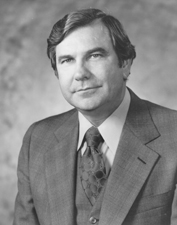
113,159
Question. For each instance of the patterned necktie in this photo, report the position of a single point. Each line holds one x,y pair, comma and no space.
92,168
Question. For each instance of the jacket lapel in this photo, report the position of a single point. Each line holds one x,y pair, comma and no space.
60,172
133,163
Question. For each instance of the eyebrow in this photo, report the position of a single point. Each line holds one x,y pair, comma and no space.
97,49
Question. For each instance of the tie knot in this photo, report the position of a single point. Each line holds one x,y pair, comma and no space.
93,137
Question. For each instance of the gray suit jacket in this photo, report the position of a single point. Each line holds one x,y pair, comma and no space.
141,185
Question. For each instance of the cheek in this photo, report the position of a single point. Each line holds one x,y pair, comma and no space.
64,85
65,77
114,82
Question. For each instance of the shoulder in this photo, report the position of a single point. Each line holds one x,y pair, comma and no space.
164,119
158,112
159,108
161,113
49,124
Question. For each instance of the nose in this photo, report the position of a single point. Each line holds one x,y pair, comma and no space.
81,72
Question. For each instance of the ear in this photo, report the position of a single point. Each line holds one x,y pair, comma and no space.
126,67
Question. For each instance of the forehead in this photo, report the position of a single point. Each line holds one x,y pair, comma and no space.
93,35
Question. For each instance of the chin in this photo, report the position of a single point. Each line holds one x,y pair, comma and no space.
86,104
85,107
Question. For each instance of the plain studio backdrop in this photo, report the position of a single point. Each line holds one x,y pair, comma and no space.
29,91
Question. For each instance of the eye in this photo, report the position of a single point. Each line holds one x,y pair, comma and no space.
96,55
66,60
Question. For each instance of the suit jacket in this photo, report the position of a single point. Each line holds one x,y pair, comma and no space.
142,184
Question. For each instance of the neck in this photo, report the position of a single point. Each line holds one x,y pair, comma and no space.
95,120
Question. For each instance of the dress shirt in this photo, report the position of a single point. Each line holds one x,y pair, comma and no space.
110,130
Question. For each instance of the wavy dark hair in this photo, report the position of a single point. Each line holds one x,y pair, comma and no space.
121,43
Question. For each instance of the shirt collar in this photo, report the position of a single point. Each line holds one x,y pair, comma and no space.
84,125
111,128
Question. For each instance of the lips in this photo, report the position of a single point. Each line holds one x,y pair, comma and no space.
86,89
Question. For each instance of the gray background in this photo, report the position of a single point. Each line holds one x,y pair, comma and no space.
29,90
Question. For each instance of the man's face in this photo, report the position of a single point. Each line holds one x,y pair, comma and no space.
88,68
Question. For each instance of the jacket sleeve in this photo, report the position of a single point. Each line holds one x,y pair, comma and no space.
25,213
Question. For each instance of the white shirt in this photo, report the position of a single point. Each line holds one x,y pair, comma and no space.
110,130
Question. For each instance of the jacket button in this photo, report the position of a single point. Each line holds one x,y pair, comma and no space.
92,220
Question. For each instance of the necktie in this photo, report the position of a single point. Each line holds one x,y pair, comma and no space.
92,168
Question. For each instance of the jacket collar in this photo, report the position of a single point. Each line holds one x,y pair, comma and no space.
139,120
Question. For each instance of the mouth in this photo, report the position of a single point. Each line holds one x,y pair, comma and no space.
87,89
